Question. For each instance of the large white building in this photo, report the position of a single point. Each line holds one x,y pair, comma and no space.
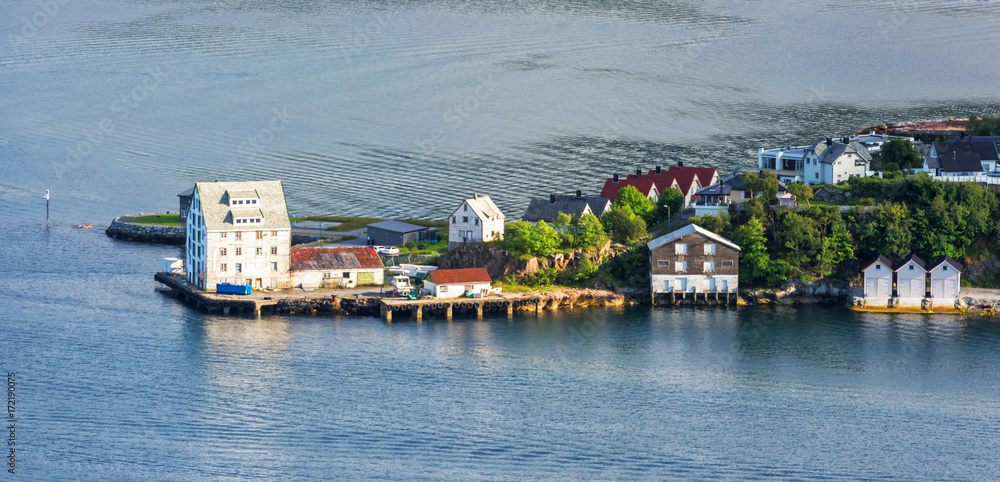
238,233
476,219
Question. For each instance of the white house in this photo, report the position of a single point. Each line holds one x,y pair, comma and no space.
946,280
911,281
455,283
834,161
787,162
238,233
878,278
346,267
476,219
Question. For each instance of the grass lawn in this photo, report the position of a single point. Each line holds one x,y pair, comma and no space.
518,288
163,219
440,246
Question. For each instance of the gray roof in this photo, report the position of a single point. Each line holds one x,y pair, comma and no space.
916,260
483,207
943,260
397,226
726,186
219,216
886,261
187,193
829,153
690,228
543,210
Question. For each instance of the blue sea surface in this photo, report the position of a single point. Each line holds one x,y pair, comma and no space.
395,108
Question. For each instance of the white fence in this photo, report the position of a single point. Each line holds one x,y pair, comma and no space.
980,178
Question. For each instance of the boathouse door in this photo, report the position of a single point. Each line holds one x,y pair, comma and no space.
725,286
259,283
711,284
682,284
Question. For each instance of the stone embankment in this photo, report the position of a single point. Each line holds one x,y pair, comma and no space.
572,298
122,229
800,292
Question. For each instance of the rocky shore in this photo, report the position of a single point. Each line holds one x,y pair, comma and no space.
122,228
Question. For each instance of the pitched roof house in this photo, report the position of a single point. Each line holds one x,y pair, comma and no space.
911,280
454,283
959,155
395,233
475,220
946,280
238,233
578,205
878,278
694,259
335,267
645,186
834,161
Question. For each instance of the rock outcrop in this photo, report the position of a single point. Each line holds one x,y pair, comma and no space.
501,263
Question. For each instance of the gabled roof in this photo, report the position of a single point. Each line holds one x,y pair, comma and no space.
726,186
187,193
397,226
985,147
360,257
829,154
915,259
543,210
219,216
458,276
484,207
943,260
961,162
690,228
705,174
643,184
666,179
880,258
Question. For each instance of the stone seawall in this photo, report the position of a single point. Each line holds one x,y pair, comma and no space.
146,233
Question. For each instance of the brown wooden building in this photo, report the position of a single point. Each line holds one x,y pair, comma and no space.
693,259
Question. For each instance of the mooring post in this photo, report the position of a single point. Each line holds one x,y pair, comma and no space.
673,297
447,313
479,311
652,297
510,309
536,308
420,313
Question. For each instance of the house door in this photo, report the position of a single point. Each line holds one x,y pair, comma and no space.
259,283
366,278
724,286
682,284
883,288
949,288
937,288
666,285
711,284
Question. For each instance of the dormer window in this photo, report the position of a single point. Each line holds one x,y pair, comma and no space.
911,266
878,266
944,268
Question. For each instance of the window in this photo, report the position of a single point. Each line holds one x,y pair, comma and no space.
727,263
347,275
461,234
878,266
260,234
709,267
239,251
911,267
260,251
465,219
274,233
816,174
662,263
454,219
222,251
709,248
239,268
465,208
274,250
239,236
222,235
223,268
253,201
327,276
944,268
681,266
274,266
680,248
477,221
442,289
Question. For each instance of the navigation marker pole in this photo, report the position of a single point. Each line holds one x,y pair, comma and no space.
46,198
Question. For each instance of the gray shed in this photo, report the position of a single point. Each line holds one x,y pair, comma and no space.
395,233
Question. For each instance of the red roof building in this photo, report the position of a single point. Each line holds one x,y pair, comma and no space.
458,276
706,175
361,257
645,186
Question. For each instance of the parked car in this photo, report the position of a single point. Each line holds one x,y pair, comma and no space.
387,250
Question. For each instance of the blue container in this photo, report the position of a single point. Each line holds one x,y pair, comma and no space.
228,289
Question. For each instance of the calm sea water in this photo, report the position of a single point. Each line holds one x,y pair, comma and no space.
401,108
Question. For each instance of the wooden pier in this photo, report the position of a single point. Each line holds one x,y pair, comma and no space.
447,307
693,297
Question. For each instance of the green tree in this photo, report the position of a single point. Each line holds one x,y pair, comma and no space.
986,126
802,192
669,204
719,224
754,260
623,225
562,224
546,239
587,232
523,238
763,184
899,154
799,236
636,201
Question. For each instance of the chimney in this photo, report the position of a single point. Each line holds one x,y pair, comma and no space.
579,193
829,141
638,172
475,196
552,198
657,169
615,180
680,163
847,140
